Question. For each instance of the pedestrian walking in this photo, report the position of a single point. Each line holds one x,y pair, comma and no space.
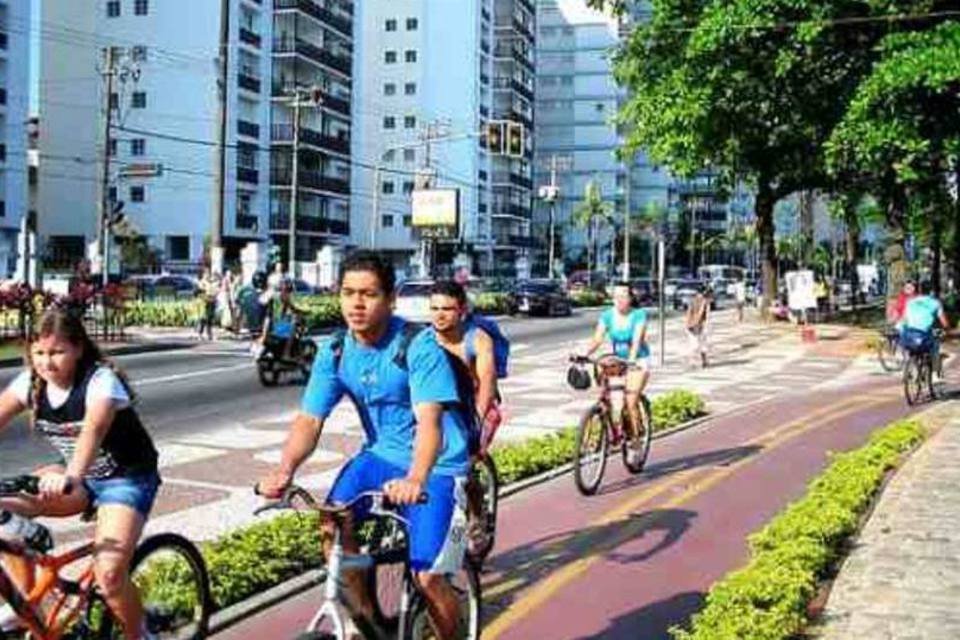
695,322
209,290
740,296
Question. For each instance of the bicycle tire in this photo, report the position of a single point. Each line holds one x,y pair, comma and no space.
485,471
385,581
595,418
418,626
890,354
913,380
642,441
202,608
316,635
928,359
268,373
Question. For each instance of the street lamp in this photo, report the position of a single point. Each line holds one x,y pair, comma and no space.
550,193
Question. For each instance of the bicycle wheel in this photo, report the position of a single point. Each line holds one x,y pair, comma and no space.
929,369
890,354
636,450
592,444
385,582
172,579
482,519
466,585
914,377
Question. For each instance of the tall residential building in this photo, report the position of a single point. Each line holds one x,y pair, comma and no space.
312,50
14,112
429,75
163,154
577,99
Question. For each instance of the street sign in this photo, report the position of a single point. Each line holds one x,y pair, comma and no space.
436,207
141,170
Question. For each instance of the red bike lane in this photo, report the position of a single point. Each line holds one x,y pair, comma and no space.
639,556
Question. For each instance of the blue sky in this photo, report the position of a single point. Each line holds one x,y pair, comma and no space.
34,32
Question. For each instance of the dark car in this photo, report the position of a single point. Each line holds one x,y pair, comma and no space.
645,292
164,286
547,297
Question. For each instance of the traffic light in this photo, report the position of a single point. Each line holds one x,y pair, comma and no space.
515,135
495,137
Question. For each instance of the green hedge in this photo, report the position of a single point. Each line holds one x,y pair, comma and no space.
167,313
264,554
588,298
492,303
767,599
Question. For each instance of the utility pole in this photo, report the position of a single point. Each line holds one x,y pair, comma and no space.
377,180
299,97
626,223
220,170
103,230
431,132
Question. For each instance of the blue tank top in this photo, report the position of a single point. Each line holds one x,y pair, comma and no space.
621,333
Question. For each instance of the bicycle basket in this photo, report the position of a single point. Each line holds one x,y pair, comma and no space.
578,378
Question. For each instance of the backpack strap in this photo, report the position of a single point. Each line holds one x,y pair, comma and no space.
336,347
409,331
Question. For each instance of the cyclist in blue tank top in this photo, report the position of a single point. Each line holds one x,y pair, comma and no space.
626,328
415,445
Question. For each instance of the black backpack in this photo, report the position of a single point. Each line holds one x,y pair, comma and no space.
465,391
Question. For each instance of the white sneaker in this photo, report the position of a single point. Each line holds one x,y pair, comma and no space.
9,620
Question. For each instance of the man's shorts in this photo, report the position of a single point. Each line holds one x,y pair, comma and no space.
437,527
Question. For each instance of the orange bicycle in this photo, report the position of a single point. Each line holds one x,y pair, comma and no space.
167,569
601,428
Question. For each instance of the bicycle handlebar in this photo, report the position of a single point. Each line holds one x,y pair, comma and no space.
24,485
610,357
380,504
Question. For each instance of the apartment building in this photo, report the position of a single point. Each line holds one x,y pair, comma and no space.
14,112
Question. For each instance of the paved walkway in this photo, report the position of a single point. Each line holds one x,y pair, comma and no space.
902,581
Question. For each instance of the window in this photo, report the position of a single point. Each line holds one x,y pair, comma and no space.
112,147
387,187
139,53
139,100
114,100
386,221
599,107
389,89
412,24
390,25
178,247
138,147
410,55
410,122
138,193
389,122
112,194
113,9
390,57
140,7
409,155
407,221
389,155
566,80
410,88
408,187
568,31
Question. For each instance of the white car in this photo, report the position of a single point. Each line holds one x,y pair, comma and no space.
413,300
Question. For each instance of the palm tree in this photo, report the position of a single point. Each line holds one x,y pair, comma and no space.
591,210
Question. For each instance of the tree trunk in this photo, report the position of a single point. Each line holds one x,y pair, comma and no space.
763,209
895,254
956,231
853,249
936,246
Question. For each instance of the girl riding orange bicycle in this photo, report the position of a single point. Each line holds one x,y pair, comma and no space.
83,407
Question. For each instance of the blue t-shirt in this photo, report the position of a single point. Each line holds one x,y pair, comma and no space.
620,330
385,394
922,313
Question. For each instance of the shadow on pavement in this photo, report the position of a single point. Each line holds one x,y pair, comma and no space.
513,572
653,621
717,458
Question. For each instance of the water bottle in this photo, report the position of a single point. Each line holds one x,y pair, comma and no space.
18,530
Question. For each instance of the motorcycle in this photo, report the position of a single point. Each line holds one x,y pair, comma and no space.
286,351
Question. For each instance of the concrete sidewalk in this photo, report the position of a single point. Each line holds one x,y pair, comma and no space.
902,580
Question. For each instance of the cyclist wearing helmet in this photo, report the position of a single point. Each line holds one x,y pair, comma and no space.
626,328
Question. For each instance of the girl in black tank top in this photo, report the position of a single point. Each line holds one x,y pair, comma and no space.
83,407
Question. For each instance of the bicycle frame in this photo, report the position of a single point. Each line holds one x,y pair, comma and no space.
48,578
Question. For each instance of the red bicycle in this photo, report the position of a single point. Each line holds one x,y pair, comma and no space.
602,427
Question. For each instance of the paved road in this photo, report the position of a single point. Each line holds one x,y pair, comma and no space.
639,557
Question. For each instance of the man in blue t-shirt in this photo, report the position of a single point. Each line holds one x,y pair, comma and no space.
414,444
920,315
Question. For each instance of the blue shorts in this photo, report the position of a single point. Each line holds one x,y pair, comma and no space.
136,492
437,527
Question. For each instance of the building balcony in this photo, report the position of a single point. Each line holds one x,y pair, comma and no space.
522,89
528,5
313,53
249,83
511,211
521,181
524,60
249,37
514,241
247,222
523,29
251,176
314,10
329,101
522,117
310,224
247,128
309,179
312,137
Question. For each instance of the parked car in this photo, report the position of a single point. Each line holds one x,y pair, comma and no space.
164,286
546,297
413,300
685,290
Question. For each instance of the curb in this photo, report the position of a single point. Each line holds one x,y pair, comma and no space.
236,613
119,351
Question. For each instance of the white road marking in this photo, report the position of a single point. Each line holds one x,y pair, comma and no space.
192,374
